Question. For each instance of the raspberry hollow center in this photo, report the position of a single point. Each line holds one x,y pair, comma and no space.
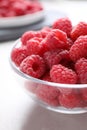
35,67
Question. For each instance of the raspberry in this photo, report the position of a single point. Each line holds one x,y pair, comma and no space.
61,74
81,69
84,94
48,94
33,46
65,59
79,48
71,100
65,55
43,47
19,8
56,39
28,35
18,55
78,30
63,24
45,31
33,65
69,42
4,3
52,58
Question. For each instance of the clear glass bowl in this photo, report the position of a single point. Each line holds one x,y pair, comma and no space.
47,94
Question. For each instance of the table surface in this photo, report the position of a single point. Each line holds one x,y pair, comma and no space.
17,110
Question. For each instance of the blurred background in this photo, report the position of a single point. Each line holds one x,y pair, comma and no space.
12,28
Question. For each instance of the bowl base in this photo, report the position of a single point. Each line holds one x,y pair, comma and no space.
59,109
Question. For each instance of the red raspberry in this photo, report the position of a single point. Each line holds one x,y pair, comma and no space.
61,74
56,39
45,31
19,8
43,47
63,24
28,35
69,42
52,58
84,94
71,100
65,55
4,4
33,65
48,94
65,59
18,55
10,13
81,69
78,30
33,46
79,48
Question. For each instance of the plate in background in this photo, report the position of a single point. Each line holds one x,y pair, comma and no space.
23,20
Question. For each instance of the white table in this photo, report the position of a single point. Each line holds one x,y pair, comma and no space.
20,112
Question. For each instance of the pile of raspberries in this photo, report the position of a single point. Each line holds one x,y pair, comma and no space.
56,54
11,8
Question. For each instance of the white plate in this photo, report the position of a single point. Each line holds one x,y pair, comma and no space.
21,20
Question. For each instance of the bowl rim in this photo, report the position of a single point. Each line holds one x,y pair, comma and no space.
28,77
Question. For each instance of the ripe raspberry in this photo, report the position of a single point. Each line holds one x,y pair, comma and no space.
81,69
43,47
70,100
52,58
65,59
63,24
78,30
48,94
28,35
79,48
9,8
33,65
33,46
19,8
64,54
56,39
61,74
84,94
45,31
69,42
18,55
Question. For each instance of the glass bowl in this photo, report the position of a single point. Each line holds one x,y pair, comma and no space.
48,94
